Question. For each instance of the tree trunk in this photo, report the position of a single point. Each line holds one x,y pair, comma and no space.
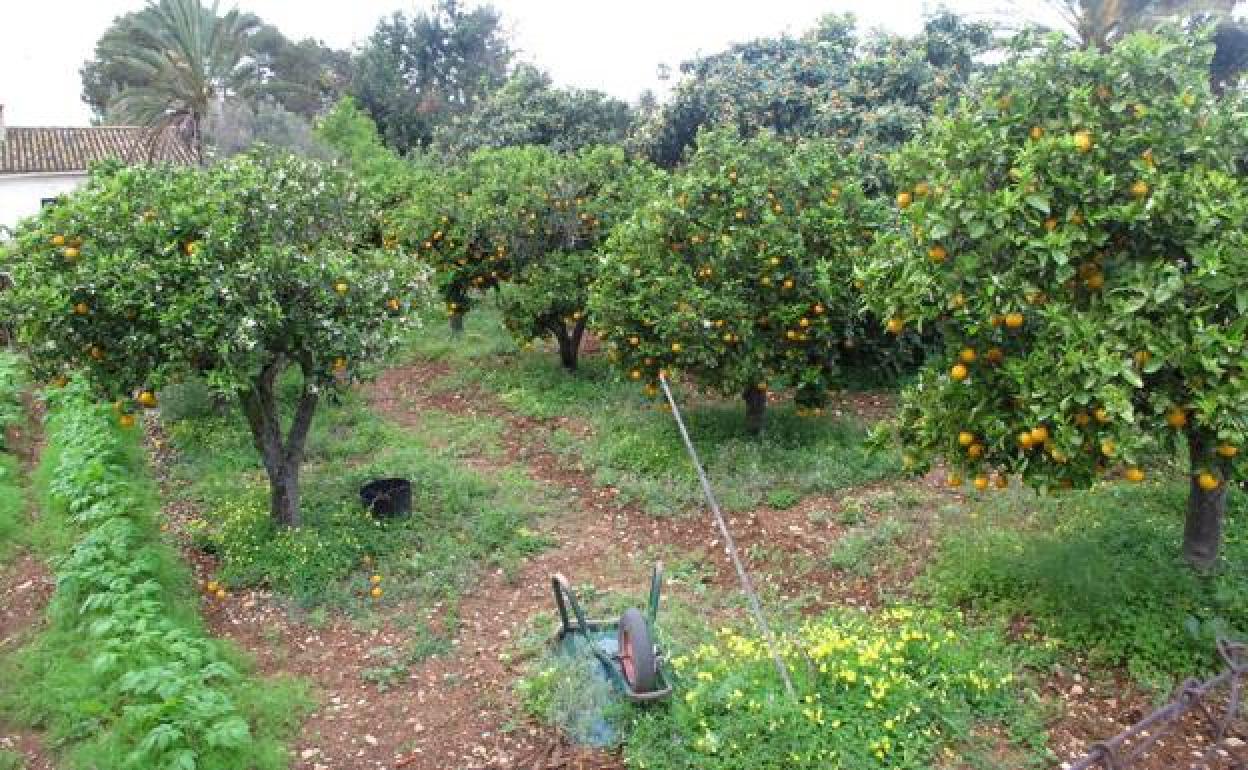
457,324
1202,532
569,343
282,455
755,407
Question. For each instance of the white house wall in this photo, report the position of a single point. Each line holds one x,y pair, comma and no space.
21,195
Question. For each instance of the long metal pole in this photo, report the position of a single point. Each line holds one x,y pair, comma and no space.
746,585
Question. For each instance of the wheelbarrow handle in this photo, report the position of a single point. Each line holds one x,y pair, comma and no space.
564,597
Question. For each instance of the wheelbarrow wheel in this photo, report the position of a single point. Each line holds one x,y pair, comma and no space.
637,652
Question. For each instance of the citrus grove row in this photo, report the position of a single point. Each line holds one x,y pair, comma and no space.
1066,247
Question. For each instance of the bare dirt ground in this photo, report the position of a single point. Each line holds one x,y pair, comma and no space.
458,710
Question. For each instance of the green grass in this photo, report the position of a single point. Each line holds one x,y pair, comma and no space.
462,520
637,448
1101,573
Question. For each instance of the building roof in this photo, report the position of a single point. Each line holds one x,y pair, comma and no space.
52,150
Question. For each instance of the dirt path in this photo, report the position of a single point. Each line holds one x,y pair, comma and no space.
26,586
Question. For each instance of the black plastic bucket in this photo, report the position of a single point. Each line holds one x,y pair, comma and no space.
387,498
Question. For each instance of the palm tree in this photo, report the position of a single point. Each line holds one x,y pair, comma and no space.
184,58
1100,23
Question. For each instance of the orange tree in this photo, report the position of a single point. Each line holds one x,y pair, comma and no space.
1078,234
557,227
465,222
740,272
236,273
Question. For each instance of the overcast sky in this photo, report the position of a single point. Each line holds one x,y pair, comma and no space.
613,45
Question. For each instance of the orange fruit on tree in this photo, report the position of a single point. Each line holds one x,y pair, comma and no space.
81,308
975,451
1083,141
1002,481
1082,419
1014,320
959,372
904,199
147,399
1176,418
981,483
1036,132
1207,481
1025,440
58,240
937,253
126,421
1101,414
954,481
375,580
1050,224
1039,434
1227,450
340,364
1108,448
1139,190
393,304
635,374
1134,474
220,593
376,593
71,252
966,438
676,347
895,325
995,355
968,355
341,287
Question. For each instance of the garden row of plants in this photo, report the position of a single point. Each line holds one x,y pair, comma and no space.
124,675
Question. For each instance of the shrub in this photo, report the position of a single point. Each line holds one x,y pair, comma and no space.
888,690
1078,234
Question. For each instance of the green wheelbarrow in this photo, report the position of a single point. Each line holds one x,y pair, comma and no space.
626,649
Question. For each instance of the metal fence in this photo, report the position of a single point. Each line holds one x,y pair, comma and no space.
1212,706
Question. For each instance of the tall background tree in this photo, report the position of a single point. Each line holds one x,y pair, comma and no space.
417,72
173,60
1101,23
528,109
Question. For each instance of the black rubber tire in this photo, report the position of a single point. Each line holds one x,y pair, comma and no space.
636,643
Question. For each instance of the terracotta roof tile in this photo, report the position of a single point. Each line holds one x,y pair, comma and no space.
49,150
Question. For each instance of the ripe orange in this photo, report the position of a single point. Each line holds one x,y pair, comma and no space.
975,451
1082,419
676,347
954,481
967,356
1134,474
1176,418
1036,132
1050,224
966,438
340,364
376,593
58,240
375,580
1025,440
71,253
937,253
126,421
995,355
1228,450
904,200
1108,448
921,189
81,308
635,374
959,372
1139,190
1101,414
895,325
981,483
147,399
1002,482
220,593
393,304
1014,320
788,283
1083,141
1095,282
957,301
341,287
1207,481
650,390
1039,434
192,247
